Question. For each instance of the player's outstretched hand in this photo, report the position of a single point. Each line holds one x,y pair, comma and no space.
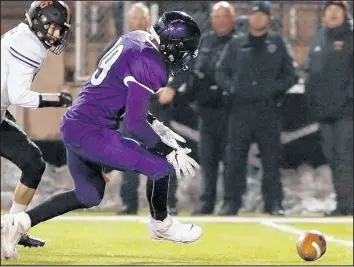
65,99
182,163
167,133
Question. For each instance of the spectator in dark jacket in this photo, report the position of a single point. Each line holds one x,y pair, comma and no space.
257,68
329,88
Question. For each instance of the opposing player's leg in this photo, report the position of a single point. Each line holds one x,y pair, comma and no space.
88,192
16,147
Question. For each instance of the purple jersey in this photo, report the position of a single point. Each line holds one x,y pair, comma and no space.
126,78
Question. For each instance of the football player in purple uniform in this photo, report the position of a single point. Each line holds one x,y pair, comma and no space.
117,98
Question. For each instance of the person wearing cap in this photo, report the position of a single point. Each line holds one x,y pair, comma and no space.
257,68
329,88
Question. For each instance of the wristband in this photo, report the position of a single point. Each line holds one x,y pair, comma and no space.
162,149
150,118
47,103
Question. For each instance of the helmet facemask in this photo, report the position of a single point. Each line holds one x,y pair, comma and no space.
178,37
61,43
177,57
51,24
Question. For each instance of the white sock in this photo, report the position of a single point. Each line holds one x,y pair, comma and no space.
25,221
17,208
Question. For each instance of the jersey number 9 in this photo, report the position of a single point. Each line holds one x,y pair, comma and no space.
106,63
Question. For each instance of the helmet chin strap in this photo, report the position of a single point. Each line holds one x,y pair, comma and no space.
154,34
29,20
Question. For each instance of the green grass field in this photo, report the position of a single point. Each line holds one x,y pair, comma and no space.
127,243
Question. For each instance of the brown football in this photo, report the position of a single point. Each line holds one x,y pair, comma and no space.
311,245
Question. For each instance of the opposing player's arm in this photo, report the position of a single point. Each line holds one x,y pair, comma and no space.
23,65
21,72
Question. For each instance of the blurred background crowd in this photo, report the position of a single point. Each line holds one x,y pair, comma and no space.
272,129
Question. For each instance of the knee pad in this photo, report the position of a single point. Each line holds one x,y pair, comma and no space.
91,195
32,167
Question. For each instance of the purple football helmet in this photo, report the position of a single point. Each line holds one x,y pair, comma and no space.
178,35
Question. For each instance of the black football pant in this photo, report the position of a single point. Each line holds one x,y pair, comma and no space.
16,147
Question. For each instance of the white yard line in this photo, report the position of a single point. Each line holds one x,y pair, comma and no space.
208,219
293,230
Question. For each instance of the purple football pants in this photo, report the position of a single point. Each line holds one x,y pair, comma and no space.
89,148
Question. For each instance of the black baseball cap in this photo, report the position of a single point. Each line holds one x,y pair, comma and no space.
261,6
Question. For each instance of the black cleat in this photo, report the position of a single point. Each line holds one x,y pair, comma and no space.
29,241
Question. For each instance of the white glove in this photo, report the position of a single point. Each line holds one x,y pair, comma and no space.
167,134
181,162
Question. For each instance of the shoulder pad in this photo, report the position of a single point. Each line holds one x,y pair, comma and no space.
27,50
148,68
